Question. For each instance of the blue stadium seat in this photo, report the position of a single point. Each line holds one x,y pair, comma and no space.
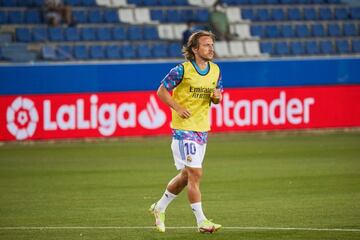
350,29
318,30
288,1
158,15
38,3
272,1
111,16
311,48
248,13
297,48
277,14
326,47
150,2
173,16
64,52
325,13
257,30
144,50
256,1
32,16
267,47
39,34
81,52
79,16
88,34
166,3
263,14
160,50
355,46
72,2
104,34
95,16
272,31
310,14
355,12
175,50
15,17
287,31
23,34
304,1
112,52
181,2
201,15
135,32
129,51
135,2
341,13
55,34
3,17
9,3
302,31
151,33
318,1
342,46
334,30
294,14
88,2
281,48
96,52
119,33
71,34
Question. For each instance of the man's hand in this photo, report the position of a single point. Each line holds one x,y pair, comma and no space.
183,112
216,96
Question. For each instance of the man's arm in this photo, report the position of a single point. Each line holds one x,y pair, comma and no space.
165,96
216,96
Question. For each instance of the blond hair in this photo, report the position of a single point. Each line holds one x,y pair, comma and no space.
193,42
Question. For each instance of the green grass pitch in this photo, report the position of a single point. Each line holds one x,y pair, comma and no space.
258,186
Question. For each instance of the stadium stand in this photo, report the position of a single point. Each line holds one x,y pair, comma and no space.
152,29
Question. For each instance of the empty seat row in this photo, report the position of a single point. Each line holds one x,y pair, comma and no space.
182,15
240,2
58,34
299,14
39,3
304,31
158,2
31,16
237,49
311,47
114,51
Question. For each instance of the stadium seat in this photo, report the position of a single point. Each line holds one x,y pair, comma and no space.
355,46
160,50
79,16
166,3
111,16
311,48
318,30
32,16
175,50
129,51
126,15
294,14
150,33
71,34
325,13
267,47
96,52
104,34
81,52
88,3
64,52
252,48
15,17
257,30
95,16
222,49
342,46
232,13
277,14
150,2
112,52
173,16
281,48
3,17
202,15
144,50
272,31
135,32
326,47
248,13
350,29
166,31
88,34
287,31
355,12
310,14
119,33
23,35
142,15
48,52
55,34
297,48
158,15
236,49
341,14
263,14
39,34
272,1
302,31
242,30
118,3
334,30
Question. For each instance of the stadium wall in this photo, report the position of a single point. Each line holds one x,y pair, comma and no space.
57,101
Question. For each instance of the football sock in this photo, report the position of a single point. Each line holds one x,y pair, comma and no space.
198,212
165,200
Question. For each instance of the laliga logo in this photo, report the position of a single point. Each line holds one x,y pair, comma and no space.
152,117
22,118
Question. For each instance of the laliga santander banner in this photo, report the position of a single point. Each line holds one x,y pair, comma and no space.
29,117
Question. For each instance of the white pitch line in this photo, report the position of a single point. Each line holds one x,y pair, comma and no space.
183,227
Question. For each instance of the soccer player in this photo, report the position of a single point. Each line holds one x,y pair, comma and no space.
195,84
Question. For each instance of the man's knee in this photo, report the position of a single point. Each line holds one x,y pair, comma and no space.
194,174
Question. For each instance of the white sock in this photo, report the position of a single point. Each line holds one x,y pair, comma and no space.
198,212
165,200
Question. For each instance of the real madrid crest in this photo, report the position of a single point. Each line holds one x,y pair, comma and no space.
188,158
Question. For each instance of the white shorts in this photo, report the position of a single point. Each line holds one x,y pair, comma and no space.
187,153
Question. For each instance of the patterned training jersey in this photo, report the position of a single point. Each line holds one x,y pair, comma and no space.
195,97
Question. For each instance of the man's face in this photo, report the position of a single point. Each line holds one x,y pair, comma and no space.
205,51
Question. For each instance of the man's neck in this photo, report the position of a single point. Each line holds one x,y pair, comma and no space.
201,64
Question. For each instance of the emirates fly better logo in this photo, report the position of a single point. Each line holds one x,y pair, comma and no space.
22,118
